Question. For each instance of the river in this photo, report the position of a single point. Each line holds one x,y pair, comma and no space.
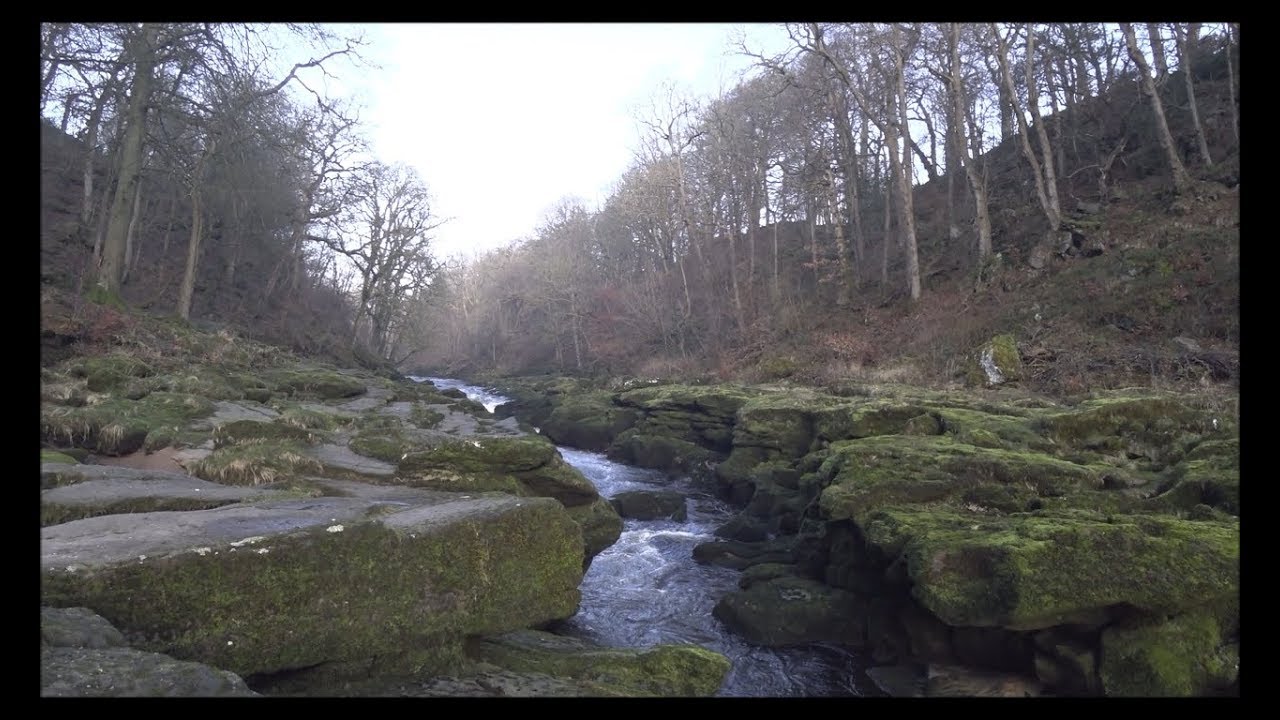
646,588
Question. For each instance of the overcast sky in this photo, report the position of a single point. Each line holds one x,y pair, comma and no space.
503,120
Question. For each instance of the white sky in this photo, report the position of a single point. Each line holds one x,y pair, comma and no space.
503,120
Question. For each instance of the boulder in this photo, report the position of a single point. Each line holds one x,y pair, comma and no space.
1183,656
82,655
787,611
294,584
650,505
1038,570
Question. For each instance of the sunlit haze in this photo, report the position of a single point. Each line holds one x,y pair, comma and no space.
503,120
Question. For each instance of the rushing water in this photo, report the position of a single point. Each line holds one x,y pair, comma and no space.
646,589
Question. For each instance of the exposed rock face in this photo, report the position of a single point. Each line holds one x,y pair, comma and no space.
294,584
82,655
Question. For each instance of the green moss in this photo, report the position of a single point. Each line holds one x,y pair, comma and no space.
255,463
117,426
664,670
996,362
240,432
1180,657
55,514
1044,569
589,422
324,384
892,469
659,452
776,368
424,417
482,455
370,591
386,445
104,373
601,526
51,456
205,381
1159,428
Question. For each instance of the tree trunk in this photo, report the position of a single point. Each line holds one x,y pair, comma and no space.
1046,149
187,289
1188,39
888,225
112,267
1181,180
128,239
1047,203
1231,87
842,249
906,209
90,155
977,183
1157,51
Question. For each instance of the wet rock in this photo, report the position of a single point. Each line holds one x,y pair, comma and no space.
651,505
899,680
788,611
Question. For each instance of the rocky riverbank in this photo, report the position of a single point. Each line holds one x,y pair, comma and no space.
247,520
983,541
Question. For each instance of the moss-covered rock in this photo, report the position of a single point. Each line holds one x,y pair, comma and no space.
660,452
588,422
386,445
324,384
116,426
1158,428
663,670
996,362
295,585
256,463
424,417
104,373
787,611
307,418
52,456
239,432
482,455
1179,657
885,470
650,505
600,523
1039,570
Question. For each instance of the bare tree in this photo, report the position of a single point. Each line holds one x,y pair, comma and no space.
1181,179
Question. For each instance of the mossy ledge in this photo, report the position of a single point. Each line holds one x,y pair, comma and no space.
219,586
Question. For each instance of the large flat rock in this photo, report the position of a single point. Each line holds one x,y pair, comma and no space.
343,458
104,490
124,672
293,584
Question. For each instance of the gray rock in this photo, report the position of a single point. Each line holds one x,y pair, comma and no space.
77,627
1039,255
899,680
650,505
342,458
106,489
123,672
787,611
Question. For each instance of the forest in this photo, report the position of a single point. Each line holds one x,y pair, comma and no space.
194,169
